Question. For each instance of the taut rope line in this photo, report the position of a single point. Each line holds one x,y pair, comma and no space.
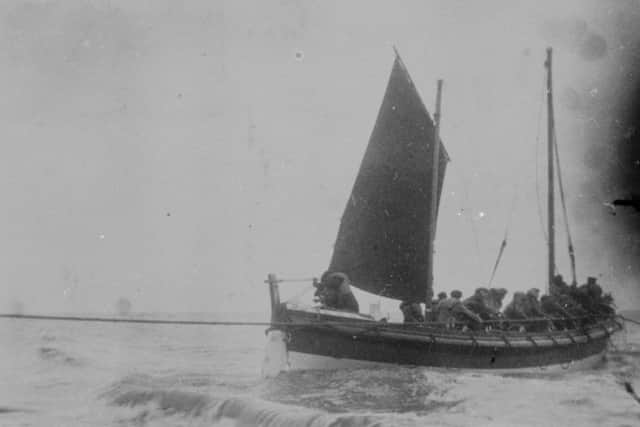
363,322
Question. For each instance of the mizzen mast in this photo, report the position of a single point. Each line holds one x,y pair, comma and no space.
550,170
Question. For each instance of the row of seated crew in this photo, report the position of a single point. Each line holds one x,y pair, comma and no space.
588,297
566,307
452,310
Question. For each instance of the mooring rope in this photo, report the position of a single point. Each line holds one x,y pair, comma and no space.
354,322
130,320
183,322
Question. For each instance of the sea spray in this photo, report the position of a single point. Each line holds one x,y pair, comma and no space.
275,355
58,356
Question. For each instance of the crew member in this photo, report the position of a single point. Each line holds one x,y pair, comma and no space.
326,292
345,299
451,310
479,304
590,297
412,312
433,313
551,307
559,286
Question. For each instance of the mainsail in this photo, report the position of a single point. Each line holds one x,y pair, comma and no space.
385,229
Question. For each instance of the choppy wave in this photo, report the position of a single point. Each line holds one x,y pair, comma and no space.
126,376
398,390
9,410
358,398
58,356
153,405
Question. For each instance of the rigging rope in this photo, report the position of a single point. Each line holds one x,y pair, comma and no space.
503,245
537,145
627,319
572,255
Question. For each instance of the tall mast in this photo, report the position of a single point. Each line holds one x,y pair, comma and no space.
550,193
434,192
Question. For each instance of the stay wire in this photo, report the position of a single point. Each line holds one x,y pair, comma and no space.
537,146
503,244
572,255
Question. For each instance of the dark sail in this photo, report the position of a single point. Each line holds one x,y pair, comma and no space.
383,237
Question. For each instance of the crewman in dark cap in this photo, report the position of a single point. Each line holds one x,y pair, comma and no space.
589,296
451,310
552,308
346,300
326,292
578,314
559,286
480,305
326,295
432,314
412,312
334,292
441,297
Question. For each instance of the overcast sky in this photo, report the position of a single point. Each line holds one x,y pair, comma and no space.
176,153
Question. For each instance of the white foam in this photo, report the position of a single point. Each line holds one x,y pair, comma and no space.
275,354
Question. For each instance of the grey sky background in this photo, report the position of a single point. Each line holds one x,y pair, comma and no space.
176,153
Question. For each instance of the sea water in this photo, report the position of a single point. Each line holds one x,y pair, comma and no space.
96,374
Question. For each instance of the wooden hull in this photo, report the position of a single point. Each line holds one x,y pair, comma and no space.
334,339
305,361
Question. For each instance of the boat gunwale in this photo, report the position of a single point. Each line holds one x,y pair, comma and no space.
362,327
